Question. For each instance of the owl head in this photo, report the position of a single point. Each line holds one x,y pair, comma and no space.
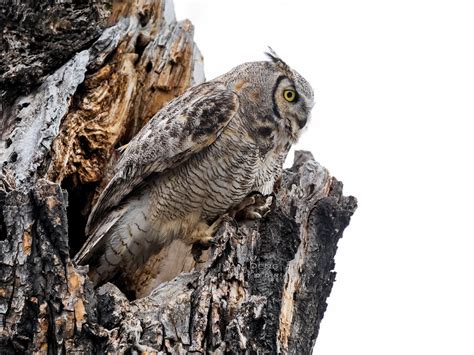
275,97
292,96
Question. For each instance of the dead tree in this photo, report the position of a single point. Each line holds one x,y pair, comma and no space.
77,80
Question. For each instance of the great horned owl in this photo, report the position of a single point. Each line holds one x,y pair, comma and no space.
198,157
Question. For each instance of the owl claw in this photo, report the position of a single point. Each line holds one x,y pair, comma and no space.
205,235
207,242
253,207
253,215
206,239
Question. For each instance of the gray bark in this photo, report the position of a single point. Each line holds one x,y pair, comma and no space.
265,283
39,36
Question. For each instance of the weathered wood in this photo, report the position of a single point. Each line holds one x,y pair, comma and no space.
276,272
37,37
43,302
67,129
262,287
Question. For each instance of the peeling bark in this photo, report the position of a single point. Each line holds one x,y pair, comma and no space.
66,107
67,129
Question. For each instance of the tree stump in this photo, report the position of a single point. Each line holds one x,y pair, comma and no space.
77,81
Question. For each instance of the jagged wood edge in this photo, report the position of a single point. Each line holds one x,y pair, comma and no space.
202,312
49,304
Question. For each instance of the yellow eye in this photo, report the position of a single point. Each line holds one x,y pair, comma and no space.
290,95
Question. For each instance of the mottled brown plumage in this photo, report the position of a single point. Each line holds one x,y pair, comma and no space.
198,157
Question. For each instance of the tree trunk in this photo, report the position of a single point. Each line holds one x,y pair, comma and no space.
77,81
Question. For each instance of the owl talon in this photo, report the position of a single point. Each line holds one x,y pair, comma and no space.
204,236
195,158
253,215
246,202
206,243
260,207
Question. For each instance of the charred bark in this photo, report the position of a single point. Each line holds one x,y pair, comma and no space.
69,101
39,36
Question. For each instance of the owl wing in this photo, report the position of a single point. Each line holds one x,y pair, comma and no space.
184,127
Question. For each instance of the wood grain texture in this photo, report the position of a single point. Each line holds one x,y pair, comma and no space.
66,129
264,287
68,102
43,302
40,36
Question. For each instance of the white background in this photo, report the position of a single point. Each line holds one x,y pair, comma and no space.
394,88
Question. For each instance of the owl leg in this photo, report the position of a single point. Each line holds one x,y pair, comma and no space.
203,233
254,206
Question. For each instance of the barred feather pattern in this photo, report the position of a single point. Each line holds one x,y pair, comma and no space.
200,156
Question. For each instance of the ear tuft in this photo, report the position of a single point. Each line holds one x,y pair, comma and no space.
271,54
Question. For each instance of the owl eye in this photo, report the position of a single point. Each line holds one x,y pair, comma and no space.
290,95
